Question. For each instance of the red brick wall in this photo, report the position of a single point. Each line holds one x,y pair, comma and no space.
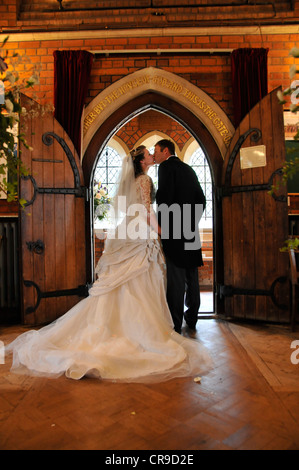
135,129
205,275
212,73
8,12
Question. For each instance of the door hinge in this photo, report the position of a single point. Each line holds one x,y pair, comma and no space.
230,291
80,291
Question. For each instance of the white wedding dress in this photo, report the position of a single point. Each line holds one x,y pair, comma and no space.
122,331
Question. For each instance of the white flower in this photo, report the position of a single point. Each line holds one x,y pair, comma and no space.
33,80
280,97
294,52
103,192
294,108
8,106
10,77
293,71
3,65
287,91
2,92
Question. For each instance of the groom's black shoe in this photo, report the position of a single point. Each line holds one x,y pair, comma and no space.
191,326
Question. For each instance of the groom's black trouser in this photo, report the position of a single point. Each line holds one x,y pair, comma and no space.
181,282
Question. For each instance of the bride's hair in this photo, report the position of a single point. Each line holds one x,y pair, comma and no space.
137,157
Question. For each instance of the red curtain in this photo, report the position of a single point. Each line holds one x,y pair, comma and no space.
249,79
71,78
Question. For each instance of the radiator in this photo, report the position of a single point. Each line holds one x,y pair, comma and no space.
9,265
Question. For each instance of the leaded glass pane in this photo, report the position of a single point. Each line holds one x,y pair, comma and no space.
201,167
153,170
108,169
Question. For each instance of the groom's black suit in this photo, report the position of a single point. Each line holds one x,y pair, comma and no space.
178,185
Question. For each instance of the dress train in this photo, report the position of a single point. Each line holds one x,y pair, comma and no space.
122,331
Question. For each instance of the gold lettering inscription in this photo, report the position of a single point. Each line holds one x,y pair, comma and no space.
163,83
111,97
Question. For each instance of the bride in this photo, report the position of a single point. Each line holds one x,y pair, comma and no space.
123,330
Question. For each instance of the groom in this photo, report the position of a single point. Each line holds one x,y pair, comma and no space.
180,202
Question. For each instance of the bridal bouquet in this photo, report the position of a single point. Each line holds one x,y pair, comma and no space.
101,201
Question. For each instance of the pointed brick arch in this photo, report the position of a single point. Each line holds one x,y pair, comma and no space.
172,108
165,84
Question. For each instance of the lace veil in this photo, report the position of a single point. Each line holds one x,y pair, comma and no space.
128,216
126,193
126,198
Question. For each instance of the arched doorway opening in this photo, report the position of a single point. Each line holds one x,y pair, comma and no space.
200,134
108,168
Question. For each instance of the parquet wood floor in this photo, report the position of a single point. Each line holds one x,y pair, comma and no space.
250,400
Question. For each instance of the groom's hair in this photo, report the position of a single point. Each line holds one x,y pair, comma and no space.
165,143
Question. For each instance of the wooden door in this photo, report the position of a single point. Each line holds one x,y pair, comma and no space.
255,224
52,225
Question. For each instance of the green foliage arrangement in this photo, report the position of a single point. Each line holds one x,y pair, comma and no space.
291,167
11,85
291,244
